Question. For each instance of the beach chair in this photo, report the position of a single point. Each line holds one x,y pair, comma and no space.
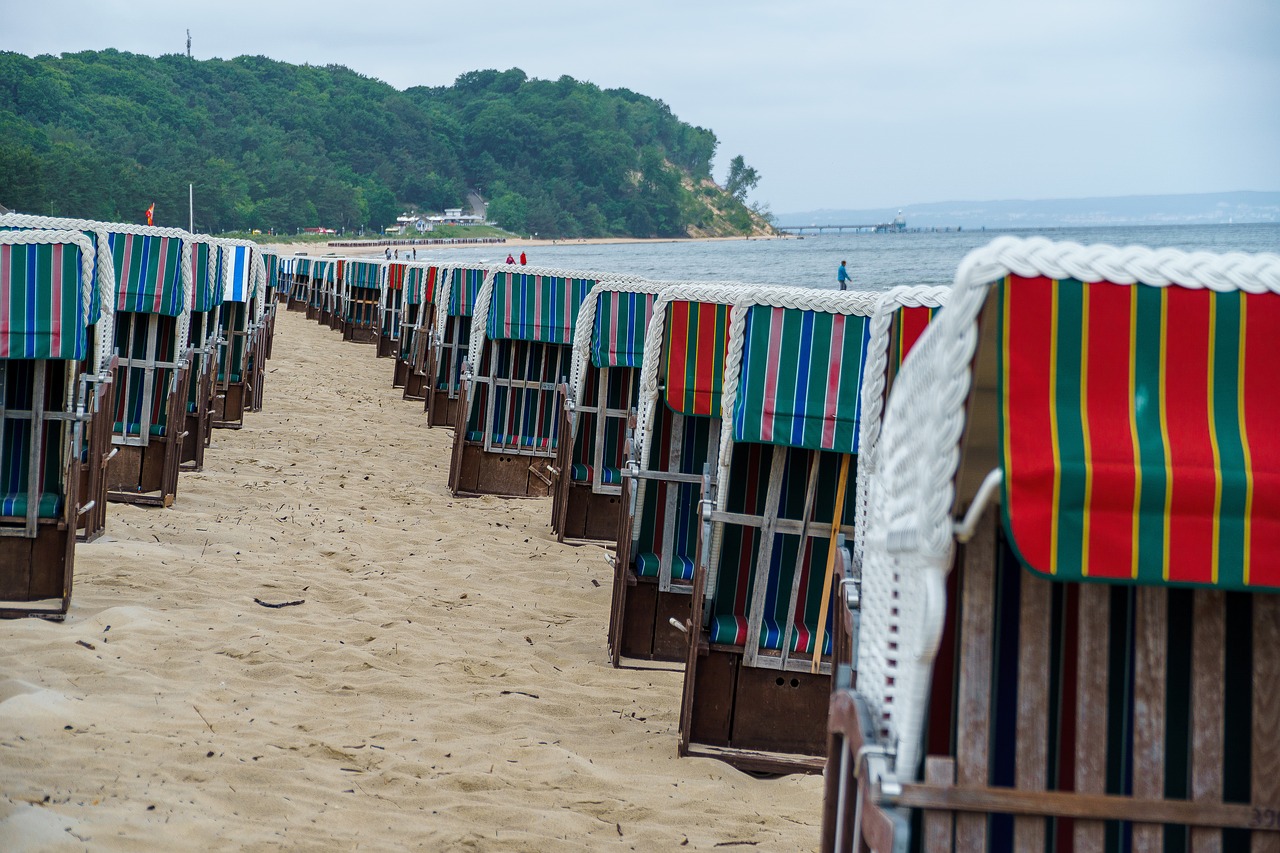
391,312
446,350
47,283
598,406
96,372
519,355
363,284
417,324
240,357
208,255
333,296
323,279
153,270
272,296
1069,629
757,671
300,286
422,287
676,436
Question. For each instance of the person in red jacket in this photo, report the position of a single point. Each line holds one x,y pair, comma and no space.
523,259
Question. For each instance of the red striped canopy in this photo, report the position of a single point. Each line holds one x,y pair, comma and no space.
695,339
1138,428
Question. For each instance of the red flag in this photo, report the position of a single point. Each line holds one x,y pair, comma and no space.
150,212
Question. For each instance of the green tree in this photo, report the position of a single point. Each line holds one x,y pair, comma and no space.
742,179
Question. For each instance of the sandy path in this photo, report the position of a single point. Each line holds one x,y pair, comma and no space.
444,685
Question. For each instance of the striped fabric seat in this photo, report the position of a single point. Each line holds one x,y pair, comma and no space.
731,630
580,473
14,504
1137,431
649,565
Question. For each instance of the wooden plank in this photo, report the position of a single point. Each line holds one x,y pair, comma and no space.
668,495
1207,668
981,800
1265,789
760,584
789,627
938,825
1149,678
1091,707
1032,760
973,708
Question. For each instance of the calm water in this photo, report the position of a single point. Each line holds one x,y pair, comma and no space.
876,261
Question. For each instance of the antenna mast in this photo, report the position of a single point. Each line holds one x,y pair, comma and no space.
188,44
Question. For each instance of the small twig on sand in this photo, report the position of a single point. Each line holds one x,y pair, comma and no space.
206,722
521,693
281,604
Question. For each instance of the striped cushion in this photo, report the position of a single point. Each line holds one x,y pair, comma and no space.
41,308
695,339
731,630
649,565
801,379
15,504
580,473
1138,431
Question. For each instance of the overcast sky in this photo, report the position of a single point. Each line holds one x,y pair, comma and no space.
837,103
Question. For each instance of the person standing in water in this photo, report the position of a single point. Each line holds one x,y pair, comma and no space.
842,276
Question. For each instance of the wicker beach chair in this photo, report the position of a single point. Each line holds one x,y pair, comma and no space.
417,324
323,279
333,304
363,285
508,422
273,295
97,371
677,436
757,671
1069,628
300,285
153,270
446,349
241,354
599,406
391,311
209,280
47,285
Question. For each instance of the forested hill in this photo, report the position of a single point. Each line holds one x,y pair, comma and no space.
272,145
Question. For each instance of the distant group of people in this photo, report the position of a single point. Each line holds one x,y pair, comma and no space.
395,255
523,260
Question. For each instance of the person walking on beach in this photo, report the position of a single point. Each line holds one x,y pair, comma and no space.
842,276
388,254
510,259
523,259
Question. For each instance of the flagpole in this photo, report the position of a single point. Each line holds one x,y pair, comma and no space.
191,208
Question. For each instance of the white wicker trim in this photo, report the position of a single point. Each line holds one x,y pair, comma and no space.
586,327
909,544
445,293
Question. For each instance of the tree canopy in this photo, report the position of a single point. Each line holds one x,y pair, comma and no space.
269,145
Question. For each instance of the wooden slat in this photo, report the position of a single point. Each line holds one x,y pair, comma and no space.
973,708
1090,807
938,825
1032,760
760,583
1207,673
1149,678
1266,717
1091,708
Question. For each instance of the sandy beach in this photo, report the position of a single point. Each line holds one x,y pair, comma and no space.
443,686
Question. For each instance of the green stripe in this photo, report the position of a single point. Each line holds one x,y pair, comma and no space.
1146,371
1228,430
1071,456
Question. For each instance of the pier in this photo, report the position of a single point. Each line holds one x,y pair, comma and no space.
899,223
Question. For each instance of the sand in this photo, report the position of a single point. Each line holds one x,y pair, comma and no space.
443,686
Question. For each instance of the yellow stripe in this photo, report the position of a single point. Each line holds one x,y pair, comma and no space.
1164,425
1084,427
1133,426
1053,433
1213,441
1244,441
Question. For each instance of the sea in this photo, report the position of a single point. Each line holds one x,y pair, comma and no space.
875,261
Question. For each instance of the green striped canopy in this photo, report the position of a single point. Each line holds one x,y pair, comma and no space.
622,318
462,295
801,379
148,273
41,306
207,279
530,307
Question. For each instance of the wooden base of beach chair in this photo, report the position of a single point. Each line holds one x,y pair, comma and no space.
755,718
269,335
334,321
197,426
476,472
642,629
297,305
359,334
229,407
313,312
146,474
35,574
388,346
441,410
588,516
399,374
415,384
